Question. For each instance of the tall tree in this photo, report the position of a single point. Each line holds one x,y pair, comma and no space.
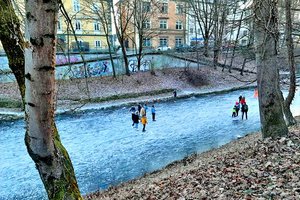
42,139
122,17
12,40
220,10
101,10
266,35
291,61
143,11
203,11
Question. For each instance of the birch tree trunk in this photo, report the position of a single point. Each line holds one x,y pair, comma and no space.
266,35
291,60
13,42
42,139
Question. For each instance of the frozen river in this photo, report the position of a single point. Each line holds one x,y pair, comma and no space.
106,150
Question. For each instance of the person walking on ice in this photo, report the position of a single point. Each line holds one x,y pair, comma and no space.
244,110
135,118
144,122
237,108
233,112
132,110
153,112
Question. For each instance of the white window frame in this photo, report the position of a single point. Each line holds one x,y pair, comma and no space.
179,25
146,8
163,11
179,8
98,42
147,24
76,5
59,25
178,42
78,26
147,42
163,42
97,27
163,24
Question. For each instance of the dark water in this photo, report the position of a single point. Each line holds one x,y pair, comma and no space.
106,150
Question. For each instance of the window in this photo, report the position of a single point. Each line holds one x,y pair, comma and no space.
78,25
164,8
179,25
178,42
147,42
163,24
244,42
179,8
96,26
98,44
146,24
146,6
191,30
245,32
76,6
163,42
95,8
59,28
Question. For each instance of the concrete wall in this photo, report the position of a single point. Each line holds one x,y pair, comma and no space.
101,65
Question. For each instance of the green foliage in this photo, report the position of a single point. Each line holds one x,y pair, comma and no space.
9,103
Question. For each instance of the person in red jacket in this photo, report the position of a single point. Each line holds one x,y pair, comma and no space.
243,100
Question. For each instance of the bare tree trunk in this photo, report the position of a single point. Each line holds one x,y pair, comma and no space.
42,139
13,43
219,29
266,33
291,60
236,42
110,56
243,66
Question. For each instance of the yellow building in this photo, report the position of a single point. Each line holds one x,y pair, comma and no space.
91,21
86,17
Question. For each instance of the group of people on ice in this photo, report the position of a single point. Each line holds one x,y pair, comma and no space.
240,105
140,115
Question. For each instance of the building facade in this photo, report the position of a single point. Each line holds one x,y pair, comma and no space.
92,23
157,23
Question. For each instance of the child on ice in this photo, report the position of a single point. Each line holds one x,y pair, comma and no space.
144,122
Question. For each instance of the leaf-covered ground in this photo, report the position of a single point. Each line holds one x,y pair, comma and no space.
248,168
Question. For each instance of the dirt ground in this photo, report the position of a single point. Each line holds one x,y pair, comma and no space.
191,79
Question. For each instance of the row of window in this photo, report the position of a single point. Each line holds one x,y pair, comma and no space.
163,24
78,26
147,42
146,7
164,8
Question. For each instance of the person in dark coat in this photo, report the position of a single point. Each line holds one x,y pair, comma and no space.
139,108
132,110
175,93
135,119
244,110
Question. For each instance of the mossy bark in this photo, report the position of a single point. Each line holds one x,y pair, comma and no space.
42,139
270,102
13,42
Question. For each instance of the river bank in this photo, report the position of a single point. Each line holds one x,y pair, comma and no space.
104,92
247,168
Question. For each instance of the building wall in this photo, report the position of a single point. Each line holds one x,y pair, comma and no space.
155,33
